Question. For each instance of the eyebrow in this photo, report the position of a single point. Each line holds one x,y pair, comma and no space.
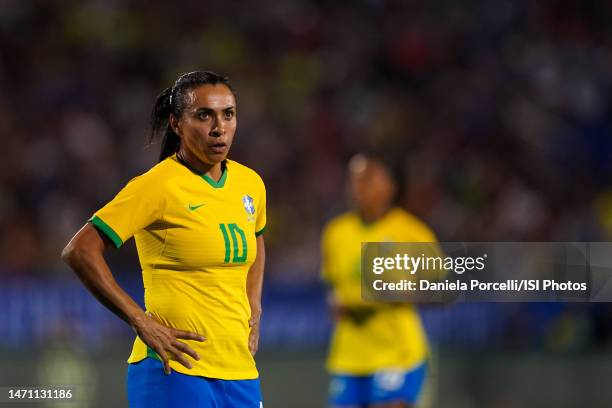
206,109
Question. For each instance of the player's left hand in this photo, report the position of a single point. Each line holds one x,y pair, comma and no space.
254,336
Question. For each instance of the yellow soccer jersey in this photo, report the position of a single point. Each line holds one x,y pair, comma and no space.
196,240
392,336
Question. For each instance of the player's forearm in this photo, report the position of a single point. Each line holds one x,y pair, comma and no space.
91,268
255,280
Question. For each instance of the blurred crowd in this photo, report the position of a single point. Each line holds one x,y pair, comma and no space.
500,110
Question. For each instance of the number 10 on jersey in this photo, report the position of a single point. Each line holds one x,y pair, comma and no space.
234,231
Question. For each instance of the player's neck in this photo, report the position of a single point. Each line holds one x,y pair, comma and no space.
373,215
214,171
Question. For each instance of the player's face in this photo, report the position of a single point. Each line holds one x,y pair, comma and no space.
208,124
370,186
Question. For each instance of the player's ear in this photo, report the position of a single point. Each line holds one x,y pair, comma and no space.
175,124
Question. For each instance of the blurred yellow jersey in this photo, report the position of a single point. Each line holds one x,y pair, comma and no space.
196,240
380,336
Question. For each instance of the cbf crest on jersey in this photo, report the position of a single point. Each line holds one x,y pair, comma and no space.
249,207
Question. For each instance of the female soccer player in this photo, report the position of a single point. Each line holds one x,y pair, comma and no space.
378,351
197,218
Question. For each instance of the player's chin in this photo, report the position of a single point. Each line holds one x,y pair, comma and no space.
216,157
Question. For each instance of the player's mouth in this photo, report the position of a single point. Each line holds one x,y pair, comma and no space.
218,148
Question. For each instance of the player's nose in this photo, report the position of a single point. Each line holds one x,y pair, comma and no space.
217,130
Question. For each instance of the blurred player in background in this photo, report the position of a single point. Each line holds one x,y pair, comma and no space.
378,351
197,219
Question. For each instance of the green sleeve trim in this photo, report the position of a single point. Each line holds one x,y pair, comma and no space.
261,231
108,231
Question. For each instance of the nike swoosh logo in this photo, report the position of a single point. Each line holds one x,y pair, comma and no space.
195,207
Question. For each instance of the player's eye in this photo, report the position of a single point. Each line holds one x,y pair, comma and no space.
229,114
203,115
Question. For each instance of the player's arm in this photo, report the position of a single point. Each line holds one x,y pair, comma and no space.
84,254
336,309
357,311
254,288
326,274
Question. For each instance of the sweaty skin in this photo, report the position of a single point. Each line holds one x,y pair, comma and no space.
207,128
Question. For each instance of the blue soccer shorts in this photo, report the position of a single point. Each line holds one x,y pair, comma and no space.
149,387
383,386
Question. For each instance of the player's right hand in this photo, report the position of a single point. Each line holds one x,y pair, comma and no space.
164,340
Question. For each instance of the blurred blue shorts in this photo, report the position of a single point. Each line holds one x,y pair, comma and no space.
149,387
384,386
